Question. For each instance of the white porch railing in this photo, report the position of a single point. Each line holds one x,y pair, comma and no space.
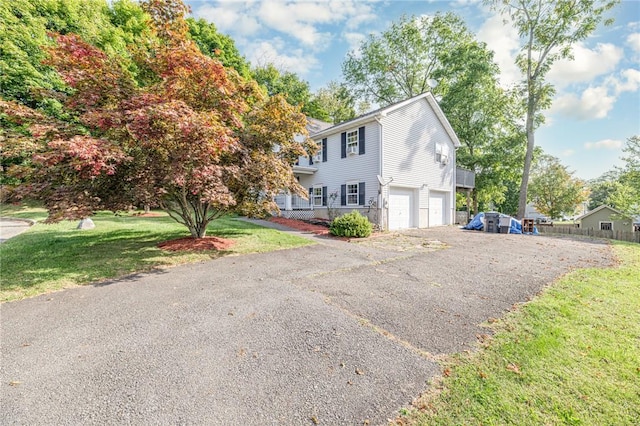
294,206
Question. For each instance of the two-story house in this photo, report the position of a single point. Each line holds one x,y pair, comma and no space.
396,165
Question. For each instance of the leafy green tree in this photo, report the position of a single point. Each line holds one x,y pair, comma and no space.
620,188
553,188
441,55
548,31
630,173
334,102
23,31
285,83
217,45
405,60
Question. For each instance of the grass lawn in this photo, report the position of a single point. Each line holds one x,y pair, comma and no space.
52,257
569,357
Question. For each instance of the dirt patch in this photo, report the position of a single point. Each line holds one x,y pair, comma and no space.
401,242
150,214
196,244
301,225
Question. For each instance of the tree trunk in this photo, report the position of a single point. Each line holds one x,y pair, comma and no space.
531,110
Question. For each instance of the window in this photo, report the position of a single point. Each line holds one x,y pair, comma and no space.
606,226
317,196
442,156
352,142
352,194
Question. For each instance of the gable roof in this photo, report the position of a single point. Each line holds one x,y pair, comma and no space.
602,207
381,112
314,125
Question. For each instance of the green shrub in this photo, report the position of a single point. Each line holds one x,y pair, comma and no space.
351,225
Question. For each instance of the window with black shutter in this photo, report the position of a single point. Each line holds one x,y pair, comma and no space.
324,150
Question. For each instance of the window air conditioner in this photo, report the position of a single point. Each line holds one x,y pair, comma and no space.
352,149
445,160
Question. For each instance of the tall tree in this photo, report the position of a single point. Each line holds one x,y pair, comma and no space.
441,55
286,83
199,141
404,60
23,31
334,102
554,189
217,45
620,188
548,30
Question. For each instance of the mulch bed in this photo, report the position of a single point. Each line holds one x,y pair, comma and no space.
196,244
301,225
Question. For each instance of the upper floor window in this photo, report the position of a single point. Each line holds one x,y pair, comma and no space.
442,154
352,142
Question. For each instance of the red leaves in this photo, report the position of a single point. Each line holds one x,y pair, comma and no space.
87,156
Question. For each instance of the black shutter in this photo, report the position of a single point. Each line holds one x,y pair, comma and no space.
310,160
324,195
344,144
361,192
343,195
361,140
324,150
311,195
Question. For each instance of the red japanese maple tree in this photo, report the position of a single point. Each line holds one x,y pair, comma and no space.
191,136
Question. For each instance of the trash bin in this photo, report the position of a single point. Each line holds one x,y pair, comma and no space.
492,222
505,224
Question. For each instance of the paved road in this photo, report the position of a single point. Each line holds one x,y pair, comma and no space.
12,227
334,333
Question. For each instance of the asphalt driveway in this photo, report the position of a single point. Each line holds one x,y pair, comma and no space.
334,333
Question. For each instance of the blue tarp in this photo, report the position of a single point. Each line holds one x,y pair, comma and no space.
477,224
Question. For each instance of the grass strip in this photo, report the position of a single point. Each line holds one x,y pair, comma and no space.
57,256
569,357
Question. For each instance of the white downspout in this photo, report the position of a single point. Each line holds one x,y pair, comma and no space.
381,207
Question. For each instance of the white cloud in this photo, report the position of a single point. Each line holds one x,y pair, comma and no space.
354,40
604,144
586,65
629,81
302,20
299,61
229,18
503,39
633,40
567,153
594,103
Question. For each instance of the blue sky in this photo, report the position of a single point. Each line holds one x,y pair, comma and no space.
596,107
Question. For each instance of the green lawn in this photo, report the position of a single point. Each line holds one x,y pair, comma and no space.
570,357
52,257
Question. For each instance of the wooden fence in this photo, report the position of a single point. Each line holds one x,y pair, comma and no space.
630,236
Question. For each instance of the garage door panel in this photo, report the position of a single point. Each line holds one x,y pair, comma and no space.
437,209
400,208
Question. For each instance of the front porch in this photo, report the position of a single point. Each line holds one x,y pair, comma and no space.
295,207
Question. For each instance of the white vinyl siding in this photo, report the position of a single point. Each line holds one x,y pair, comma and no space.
338,171
415,142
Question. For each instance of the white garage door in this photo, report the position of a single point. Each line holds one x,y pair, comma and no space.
400,208
437,209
